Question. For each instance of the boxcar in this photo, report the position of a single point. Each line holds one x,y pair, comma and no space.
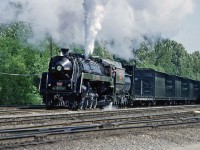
182,88
194,89
153,85
144,84
198,92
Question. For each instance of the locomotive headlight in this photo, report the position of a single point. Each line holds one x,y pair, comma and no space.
59,68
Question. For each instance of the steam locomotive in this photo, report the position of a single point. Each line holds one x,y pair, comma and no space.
77,82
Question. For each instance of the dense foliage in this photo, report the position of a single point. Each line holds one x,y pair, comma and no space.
22,63
169,56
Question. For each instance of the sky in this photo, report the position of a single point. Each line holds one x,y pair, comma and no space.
121,22
189,33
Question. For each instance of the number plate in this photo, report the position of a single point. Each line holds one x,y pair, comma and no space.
59,88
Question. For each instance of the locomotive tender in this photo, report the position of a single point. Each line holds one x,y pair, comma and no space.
74,81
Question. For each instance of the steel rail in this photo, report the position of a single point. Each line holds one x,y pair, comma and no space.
70,116
25,109
111,119
100,121
10,141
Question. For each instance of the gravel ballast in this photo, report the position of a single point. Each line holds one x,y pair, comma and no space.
176,138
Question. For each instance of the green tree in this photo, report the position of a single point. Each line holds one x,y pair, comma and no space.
168,56
195,59
19,61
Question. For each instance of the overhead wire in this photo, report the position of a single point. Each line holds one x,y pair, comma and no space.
15,74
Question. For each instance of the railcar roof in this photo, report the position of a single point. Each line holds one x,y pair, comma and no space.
150,69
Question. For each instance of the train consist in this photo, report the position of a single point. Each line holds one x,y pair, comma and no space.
76,82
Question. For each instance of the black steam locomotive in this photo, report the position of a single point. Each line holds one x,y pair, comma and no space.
74,81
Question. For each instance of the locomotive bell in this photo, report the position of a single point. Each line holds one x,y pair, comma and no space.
64,51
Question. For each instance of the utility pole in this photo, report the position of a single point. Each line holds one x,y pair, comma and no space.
51,46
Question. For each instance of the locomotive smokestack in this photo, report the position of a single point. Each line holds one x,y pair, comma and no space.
65,51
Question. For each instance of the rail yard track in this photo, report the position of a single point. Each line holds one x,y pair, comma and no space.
14,137
40,109
63,115
24,127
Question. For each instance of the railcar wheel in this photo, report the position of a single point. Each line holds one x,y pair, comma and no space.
153,103
130,103
186,102
49,106
48,102
149,104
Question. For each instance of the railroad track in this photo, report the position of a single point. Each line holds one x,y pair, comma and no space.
36,119
10,138
41,109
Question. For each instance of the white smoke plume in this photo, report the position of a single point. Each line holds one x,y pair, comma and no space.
94,13
122,23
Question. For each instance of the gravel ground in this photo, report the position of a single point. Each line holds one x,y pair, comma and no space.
185,138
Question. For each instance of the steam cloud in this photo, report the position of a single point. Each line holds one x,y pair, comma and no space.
94,13
122,23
